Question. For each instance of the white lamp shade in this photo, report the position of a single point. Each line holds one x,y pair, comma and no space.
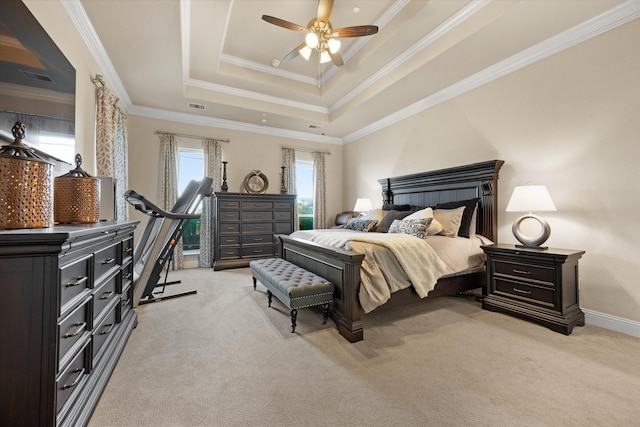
363,205
530,198
324,57
334,45
305,52
311,39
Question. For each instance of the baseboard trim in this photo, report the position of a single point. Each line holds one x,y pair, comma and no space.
614,323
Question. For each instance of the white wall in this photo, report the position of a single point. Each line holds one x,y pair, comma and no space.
571,122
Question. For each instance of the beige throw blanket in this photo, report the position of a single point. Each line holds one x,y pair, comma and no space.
392,262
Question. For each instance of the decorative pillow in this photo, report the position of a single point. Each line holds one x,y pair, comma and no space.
376,214
390,216
434,228
359,224
470,205
397,207
414,227
450,220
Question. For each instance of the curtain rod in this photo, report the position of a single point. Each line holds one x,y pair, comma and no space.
98,80
308,150
158,132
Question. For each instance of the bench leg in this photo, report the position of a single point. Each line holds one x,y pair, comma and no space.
254,283
326,313
294,316
269,296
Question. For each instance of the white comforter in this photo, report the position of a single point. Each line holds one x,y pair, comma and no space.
392,262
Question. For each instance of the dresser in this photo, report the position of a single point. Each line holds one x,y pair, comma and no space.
65,315
534,284
245,226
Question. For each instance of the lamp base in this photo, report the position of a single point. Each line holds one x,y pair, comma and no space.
532,242
541,248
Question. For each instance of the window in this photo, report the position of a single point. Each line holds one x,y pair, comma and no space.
62,145
190,167
304,187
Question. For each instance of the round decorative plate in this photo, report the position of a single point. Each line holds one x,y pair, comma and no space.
256,182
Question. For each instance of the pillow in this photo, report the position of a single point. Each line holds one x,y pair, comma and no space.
376,214
360,224
397,207
450,220
470,204
414,227
390,216
434,228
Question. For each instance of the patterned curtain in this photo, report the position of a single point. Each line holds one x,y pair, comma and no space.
212,165
169,186
289,163
111,143
319,191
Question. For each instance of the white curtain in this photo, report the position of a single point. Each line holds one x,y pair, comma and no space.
319,191
289,163
169,186
111,143
212,165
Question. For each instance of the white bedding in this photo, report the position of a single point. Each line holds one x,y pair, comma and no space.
396,261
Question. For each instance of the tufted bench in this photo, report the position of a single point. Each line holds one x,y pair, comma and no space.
293,285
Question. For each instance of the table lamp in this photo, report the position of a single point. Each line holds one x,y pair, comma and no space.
530,198
363,205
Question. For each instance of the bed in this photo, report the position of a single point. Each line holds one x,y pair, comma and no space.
345,268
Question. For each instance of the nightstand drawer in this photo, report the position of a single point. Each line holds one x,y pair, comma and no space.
530,293
525,271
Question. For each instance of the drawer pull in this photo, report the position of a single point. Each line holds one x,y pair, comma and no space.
80,325
128,250
126,302
258,251
108,261
107,295
521,271
127,276
107,331
521,291
75,382
79,281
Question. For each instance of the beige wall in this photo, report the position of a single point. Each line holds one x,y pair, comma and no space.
571,122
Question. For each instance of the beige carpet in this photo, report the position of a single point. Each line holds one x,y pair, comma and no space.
223,358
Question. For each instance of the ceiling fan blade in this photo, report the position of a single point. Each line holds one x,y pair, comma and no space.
284,24
324,10
336,58
295,52
358,31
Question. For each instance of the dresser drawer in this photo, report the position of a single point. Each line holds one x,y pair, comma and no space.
284,228
539,295
525,271
229,240
257,228
70,331
257,238
105,260
229,228
257,205
283,216
103,295
226,253
257,216
69,380
126,303
284,206
127,249
229,205
103,331
126,277
262,250
74,281
229,215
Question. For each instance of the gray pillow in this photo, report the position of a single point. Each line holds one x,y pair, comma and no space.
389,217
414,227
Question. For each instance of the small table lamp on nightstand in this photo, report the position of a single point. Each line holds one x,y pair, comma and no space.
530,198
362,206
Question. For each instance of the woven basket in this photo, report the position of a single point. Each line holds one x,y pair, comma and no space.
76,196
26,196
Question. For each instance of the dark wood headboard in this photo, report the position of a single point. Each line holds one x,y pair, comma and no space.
446,185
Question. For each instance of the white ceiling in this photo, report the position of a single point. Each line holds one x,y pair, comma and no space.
159,55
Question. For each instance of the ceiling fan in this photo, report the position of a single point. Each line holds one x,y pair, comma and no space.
321,35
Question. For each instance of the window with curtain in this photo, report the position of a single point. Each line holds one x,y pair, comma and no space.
304,185
190,168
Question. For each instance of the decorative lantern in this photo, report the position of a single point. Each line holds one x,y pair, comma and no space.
76,196
26,191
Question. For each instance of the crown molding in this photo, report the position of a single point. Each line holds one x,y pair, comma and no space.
593,27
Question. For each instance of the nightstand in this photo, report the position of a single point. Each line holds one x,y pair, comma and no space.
534,284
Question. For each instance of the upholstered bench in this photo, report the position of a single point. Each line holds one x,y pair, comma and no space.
294,286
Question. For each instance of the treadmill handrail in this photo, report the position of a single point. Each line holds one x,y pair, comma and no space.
140,203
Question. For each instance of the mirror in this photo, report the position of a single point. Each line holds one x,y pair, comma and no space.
37,86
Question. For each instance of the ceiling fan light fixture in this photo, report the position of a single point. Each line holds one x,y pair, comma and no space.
334,45
311,40
305,52
324,57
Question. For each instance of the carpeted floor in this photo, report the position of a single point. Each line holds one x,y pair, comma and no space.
223,358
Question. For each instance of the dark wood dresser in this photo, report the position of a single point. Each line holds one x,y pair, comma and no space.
65,317
245,226
534,284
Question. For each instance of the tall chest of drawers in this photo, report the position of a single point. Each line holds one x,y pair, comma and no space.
65,317
540,285
245,226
